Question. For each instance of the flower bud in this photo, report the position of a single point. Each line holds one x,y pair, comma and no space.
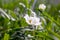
42,7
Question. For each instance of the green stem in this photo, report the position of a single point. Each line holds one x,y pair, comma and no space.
44,34
55,34
52,19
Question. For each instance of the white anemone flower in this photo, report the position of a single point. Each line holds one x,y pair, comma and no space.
42,7
32,20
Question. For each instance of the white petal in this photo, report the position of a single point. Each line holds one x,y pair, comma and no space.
35,21
26,17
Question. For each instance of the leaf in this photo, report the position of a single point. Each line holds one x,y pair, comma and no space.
23,22
51,18
12,14
6,36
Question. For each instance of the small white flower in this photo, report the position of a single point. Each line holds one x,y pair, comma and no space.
42,7
32,20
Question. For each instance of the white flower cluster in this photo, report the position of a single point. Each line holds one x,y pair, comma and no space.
32,20
42,7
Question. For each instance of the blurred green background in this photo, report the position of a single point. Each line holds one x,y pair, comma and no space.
12,23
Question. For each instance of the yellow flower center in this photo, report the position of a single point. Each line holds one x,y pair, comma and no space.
30,21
